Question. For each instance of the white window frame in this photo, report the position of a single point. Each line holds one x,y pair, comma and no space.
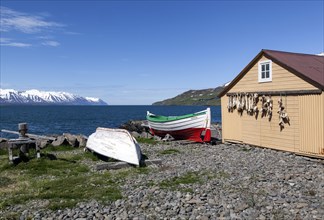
267,79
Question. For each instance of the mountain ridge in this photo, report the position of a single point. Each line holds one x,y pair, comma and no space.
195,97
36,97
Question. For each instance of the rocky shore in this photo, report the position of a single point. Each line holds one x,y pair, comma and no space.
228,181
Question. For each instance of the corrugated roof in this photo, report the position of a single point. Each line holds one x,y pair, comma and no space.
309,67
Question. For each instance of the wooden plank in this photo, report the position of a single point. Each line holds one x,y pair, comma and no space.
34,136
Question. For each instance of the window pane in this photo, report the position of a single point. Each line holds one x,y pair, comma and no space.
267,66
262,75
267,74
263,67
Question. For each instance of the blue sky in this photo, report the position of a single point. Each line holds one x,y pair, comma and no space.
139,52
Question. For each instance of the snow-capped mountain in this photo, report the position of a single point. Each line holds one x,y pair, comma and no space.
11,96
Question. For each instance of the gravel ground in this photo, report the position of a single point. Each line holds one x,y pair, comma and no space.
235,182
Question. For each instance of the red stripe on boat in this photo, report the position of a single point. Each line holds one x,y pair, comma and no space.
207,137
192,134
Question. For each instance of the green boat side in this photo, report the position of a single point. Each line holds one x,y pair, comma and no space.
162,119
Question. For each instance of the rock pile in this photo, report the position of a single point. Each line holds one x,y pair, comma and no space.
64,139
138,129
70,139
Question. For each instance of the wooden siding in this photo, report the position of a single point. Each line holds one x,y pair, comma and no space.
282,79
231,128
260,131
305,132
311,113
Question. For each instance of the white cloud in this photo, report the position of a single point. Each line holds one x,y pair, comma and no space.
30,24
15,44
51,43
72,33
26,23
45,37
10,43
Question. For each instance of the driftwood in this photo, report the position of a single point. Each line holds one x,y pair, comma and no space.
34,136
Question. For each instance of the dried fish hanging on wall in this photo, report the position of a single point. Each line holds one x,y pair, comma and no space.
270,105
243,102
234,101
230,104
267,105
255,103
249,102
283,116
252,103
239,103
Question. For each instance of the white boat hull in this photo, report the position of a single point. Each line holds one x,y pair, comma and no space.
115,143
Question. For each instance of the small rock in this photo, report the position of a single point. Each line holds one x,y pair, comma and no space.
60,140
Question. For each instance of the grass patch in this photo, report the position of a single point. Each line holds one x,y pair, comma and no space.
245,149
216,175
3,152
65,192
5,181
223,175
91,156
121,175
75,189
169,151
146,141
61,179
180,182
52,148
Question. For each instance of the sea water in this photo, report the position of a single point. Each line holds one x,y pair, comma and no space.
46,120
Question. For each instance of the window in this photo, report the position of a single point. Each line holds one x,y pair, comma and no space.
265,71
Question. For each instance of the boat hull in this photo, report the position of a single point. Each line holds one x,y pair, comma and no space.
115,143
189,128
191,134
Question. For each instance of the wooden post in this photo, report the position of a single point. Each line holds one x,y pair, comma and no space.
22,128
10,151
37,149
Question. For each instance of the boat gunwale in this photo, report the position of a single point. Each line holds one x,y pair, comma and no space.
163,119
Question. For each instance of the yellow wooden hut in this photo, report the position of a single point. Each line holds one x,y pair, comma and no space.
277,101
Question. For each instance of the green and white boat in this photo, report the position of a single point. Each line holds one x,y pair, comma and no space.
184,127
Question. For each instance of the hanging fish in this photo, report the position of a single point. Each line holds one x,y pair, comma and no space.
283,116
243,101
239,103
269,107
234,101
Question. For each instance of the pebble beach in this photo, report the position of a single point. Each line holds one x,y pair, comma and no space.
234,181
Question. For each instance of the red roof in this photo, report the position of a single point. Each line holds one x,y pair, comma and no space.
306,66
309,67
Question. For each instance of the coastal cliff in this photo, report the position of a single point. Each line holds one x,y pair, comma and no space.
194,97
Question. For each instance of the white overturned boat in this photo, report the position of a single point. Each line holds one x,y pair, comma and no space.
185,127
115,143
